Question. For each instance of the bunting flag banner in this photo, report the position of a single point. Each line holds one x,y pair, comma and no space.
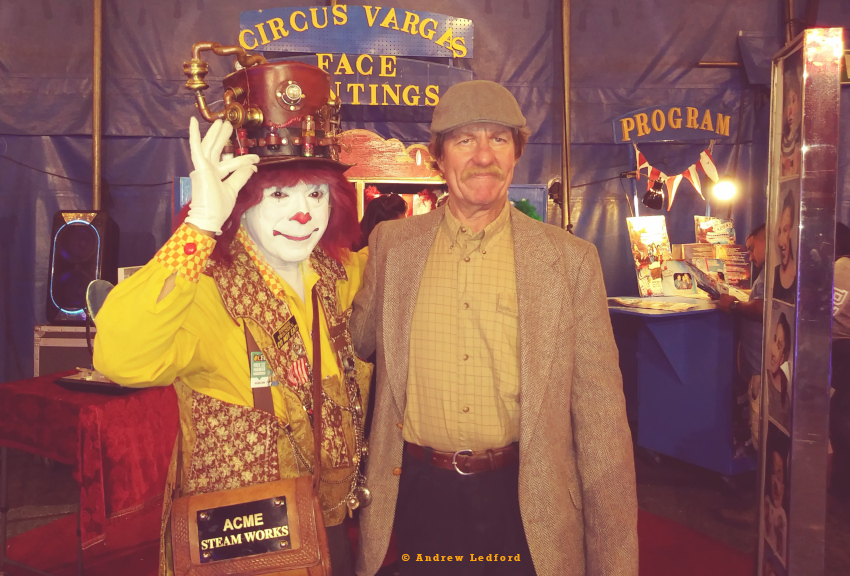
654,175
641,163
692,176
707,165
672,184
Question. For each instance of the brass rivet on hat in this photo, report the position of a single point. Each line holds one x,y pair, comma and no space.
293,92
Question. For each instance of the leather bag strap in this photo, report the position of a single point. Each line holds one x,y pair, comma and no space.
317,393
263,396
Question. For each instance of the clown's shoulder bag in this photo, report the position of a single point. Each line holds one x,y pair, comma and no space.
270,528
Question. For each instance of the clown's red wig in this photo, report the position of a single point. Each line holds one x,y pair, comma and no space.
343,230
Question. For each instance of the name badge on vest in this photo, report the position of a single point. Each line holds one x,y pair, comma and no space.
283,334
261,373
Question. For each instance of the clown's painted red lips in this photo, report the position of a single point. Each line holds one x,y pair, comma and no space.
295,238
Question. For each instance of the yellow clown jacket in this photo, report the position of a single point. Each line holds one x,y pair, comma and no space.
195,339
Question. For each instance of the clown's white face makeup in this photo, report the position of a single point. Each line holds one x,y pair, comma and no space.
288,222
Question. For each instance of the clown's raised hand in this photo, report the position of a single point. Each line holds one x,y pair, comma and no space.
215,183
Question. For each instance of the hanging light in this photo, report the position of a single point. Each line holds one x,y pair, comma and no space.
725,189
654,197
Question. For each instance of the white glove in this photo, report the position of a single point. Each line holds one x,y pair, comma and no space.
213,192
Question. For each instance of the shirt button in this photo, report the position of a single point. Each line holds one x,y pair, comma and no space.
396,471
466,259
465,305
190,248
483,251
466,408
466,357
463,229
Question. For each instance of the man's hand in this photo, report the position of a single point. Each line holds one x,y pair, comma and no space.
213,192
725,302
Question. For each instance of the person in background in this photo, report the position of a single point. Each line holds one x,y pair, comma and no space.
749,316
500,423
750,328
384,207
839,407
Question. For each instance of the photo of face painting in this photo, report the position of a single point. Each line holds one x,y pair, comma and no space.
776,491
792,115
783,238
778,365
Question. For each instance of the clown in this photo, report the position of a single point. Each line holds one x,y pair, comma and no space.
265,243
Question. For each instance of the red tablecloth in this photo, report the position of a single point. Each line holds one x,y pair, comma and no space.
120,446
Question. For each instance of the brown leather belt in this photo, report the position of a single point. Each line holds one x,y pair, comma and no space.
467,462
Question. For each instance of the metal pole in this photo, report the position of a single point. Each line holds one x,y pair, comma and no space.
789,21
4,508
97,90
565,132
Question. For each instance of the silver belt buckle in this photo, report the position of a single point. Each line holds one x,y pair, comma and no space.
454,462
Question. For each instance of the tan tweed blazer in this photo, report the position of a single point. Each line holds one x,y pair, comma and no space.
577,479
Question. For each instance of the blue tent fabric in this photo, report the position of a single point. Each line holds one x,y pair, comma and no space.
625,56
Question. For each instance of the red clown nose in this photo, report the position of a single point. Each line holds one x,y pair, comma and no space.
302,217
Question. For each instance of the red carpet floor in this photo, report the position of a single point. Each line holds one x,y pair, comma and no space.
667,548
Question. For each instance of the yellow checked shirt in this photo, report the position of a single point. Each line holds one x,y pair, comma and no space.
463,380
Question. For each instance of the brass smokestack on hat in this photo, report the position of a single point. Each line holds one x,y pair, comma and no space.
476,101
282,111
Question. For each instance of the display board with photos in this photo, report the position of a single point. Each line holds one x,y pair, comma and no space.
792,393
650,247
687,270
781,263
714,230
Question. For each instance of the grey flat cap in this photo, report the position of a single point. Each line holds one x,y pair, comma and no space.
476,101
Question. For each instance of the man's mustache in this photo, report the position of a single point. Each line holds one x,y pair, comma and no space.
492,170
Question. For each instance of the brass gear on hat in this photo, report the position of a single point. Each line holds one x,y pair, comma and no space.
285,112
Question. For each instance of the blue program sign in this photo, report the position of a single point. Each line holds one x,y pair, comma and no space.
356,29
662,123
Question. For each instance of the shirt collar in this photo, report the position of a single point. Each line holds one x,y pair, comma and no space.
460,233
270,277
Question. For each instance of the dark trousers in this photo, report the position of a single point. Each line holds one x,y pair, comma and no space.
473,519
839,419
339,547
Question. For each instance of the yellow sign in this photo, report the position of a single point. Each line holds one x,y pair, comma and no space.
670,123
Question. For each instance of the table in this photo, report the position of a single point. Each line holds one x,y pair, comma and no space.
678,376
119,446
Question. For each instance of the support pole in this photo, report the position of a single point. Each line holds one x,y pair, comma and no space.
97,92
566,224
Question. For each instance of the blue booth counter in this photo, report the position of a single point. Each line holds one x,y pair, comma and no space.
678,376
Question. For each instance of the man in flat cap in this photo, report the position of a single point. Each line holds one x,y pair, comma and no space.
499,443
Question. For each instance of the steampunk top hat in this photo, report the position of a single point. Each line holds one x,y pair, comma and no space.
283,111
